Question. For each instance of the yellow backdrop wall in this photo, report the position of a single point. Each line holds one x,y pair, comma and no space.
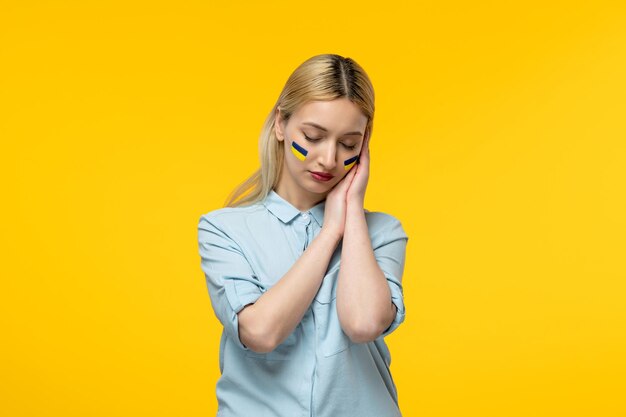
499,142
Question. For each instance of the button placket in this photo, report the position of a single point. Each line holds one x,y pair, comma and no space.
302,229
307,230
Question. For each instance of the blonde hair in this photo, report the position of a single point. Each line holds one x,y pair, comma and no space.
321,77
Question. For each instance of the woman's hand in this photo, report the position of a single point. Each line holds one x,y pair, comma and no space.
356,192
336,205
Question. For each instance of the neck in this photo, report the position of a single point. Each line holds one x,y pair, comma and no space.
301,199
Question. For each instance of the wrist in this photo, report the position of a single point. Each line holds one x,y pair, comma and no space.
356,203
331,233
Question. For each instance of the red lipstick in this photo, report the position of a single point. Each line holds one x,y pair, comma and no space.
321,176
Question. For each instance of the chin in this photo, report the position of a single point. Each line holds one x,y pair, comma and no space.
316,187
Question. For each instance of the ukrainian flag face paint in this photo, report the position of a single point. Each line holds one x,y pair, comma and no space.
301,154
298,151
349,163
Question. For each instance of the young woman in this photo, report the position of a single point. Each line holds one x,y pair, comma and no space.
304,279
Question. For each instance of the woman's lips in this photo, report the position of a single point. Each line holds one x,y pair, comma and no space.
321,176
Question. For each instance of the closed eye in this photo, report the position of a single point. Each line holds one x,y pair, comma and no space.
317,139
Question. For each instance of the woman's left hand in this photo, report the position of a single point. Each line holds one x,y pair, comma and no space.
356,192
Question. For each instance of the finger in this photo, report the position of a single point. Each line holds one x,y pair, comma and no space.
364,148
348,178
351,175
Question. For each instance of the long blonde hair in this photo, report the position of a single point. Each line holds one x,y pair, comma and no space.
321,77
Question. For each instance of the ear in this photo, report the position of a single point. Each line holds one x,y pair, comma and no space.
278,128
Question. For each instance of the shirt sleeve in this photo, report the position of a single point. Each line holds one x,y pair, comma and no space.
230,280
390,255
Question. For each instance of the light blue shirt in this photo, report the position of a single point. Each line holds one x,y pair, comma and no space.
317,371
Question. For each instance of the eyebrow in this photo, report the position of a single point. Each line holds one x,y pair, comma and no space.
325,130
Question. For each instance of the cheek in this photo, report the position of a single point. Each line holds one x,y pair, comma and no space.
299,151
349,163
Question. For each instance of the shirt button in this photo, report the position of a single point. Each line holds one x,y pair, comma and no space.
305,218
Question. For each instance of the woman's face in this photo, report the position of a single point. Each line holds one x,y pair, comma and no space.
321,137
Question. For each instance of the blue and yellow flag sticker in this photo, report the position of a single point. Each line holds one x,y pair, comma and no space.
349,163
298,151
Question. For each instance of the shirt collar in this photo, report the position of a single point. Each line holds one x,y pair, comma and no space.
286,212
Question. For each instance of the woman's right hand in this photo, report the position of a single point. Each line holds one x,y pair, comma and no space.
336,204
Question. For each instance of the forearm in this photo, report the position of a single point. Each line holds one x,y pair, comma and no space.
267,323
363,297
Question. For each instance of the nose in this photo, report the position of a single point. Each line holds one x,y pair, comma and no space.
328,156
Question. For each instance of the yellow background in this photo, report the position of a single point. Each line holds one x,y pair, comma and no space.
499,142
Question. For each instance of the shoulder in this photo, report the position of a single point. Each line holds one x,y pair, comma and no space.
230,217
380,219
384,227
